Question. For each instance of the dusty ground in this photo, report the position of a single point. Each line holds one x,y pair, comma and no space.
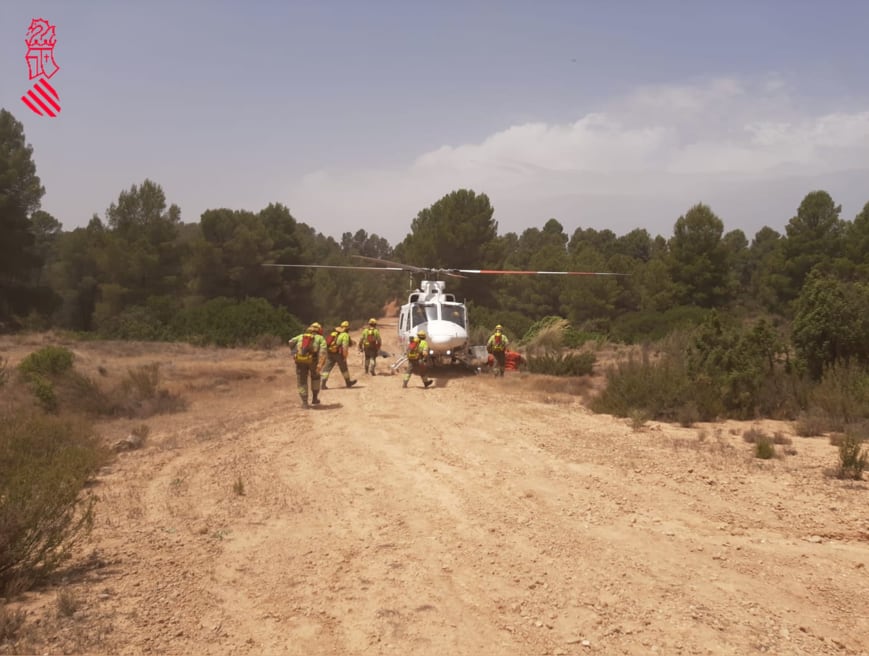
481,516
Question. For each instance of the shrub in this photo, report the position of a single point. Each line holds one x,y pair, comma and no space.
11,622
135,323
659,384
852,456
763,443
810,424
228,322
43,390
67,603
45,462
568,364
575,339
763,447
47,361
842,395
4,371
140,394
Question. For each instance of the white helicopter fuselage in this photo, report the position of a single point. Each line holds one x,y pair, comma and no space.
444,320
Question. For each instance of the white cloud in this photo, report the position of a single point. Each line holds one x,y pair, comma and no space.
641,161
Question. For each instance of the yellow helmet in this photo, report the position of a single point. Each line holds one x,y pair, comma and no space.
499,327
312,328
345,324
372,322
420,333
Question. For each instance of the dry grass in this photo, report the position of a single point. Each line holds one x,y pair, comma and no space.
548,340
11,622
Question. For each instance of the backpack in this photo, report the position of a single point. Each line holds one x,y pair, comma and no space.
498,343
413,350
332,341
370,339
305,349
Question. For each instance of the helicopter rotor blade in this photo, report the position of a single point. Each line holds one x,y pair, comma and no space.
388,265
335,266
502,272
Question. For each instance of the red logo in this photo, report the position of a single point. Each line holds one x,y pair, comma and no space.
42,99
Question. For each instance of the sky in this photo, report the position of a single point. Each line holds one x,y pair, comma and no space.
358,115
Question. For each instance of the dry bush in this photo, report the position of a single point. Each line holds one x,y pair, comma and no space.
687,414
752,435
780,438
67,603
810,424
852,456
548,340
140,394
45,462
11,622
571,386
842,395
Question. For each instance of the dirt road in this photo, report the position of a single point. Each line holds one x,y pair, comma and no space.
480,516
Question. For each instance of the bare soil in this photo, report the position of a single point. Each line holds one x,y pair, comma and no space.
480,516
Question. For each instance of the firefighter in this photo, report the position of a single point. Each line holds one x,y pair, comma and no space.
497,346
309,353
417,355
337,349
370,343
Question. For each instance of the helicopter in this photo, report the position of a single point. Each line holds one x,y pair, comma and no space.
431,308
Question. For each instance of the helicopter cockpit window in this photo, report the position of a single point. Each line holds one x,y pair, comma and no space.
419,315
454,314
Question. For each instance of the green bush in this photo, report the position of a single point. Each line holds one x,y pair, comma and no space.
47,361
45,462
134,323
43,390
737,363
763,448
659,388
852,456
567,364
227,322
574,338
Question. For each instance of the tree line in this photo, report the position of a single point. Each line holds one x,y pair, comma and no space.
140,272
